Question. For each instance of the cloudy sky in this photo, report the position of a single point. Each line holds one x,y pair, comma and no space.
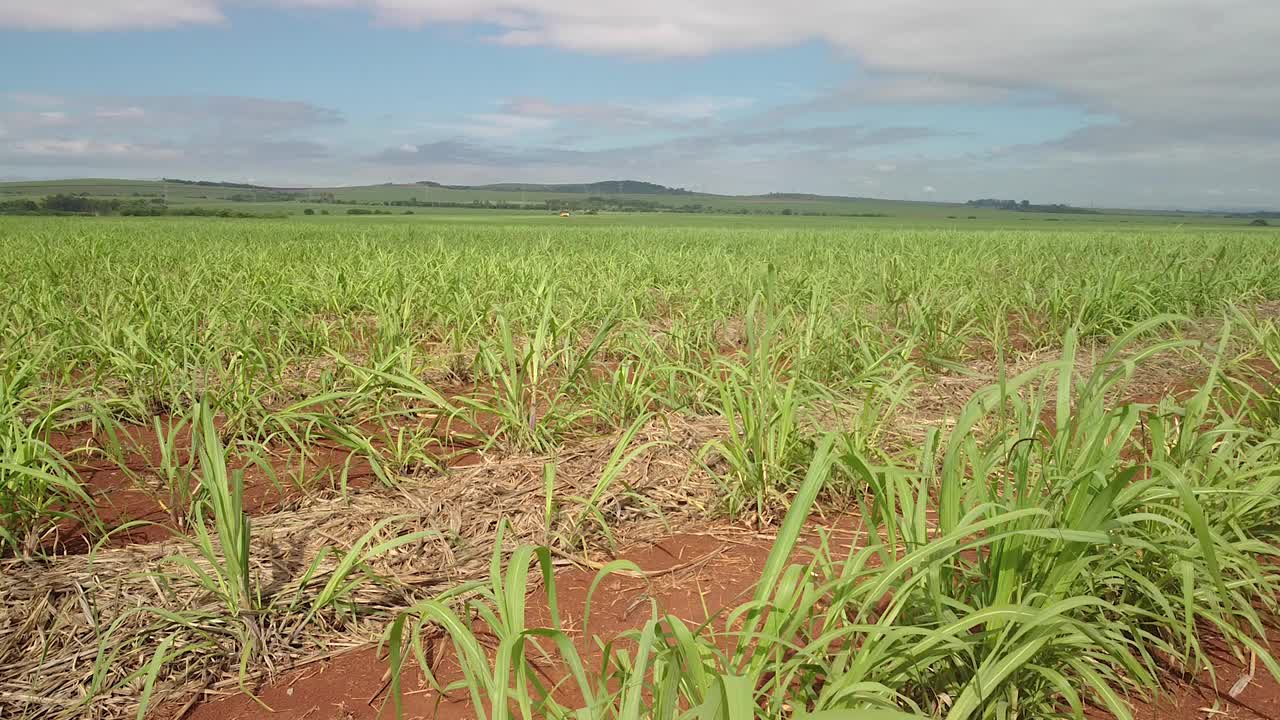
1156,103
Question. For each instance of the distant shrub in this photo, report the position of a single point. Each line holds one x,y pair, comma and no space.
63,203
19,206
308,211
1260,222
141,209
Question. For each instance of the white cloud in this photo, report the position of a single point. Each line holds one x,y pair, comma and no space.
1192,87
524,116
503,125
1117,53
34,100
106,14
929,189
694,108
120,113
221,115
152,135
27,120
57,149
1151,58
670,113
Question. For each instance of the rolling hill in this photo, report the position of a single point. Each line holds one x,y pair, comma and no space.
610,196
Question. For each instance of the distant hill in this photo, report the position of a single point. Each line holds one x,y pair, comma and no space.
1027,206
810,196
615,187
183,196
212,183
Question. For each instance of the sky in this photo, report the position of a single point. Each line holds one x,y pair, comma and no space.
1136,103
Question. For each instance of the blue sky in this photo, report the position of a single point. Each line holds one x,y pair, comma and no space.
1139,102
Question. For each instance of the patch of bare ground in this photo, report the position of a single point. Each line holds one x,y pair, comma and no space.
1235,690
332,670
133,503
939,399
694,575
53,611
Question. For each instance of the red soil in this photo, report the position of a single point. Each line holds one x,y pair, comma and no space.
1198,699
121,497
692,575
119,500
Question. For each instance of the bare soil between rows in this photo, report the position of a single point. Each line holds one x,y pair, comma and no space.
696,575
698,572
692,575
129,498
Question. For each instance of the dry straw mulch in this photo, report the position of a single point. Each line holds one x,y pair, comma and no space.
77,632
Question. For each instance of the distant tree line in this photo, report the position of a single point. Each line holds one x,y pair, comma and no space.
597,203
472,204
195,211
623,201
1027,206
618,204
82,204
67,204
210,183
629,187
590,205
328,198
263,196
